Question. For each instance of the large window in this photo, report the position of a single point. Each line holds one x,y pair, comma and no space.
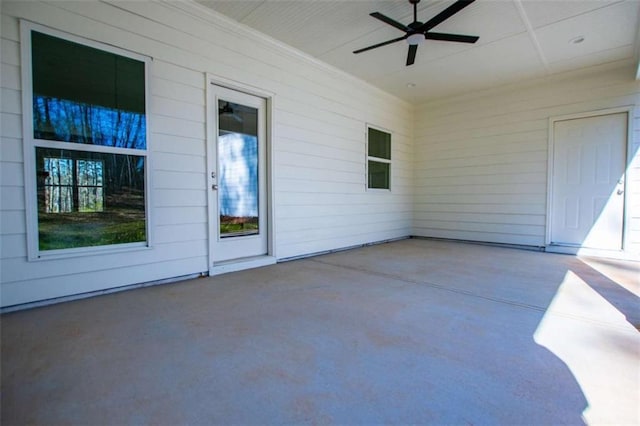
378,159
86,145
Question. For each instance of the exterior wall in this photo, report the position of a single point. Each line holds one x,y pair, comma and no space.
481,159
319,154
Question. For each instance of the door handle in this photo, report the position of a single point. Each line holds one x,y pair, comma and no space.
214,187
620,191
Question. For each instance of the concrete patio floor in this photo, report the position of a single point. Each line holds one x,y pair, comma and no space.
415,331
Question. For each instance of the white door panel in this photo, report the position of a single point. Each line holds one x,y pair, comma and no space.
587,203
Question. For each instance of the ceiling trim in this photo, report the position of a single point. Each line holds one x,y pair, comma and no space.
224,23
532,34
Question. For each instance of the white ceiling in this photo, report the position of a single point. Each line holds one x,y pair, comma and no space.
519,39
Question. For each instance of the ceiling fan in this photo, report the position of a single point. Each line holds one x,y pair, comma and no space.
416,32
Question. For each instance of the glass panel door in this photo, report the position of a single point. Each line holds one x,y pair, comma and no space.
237,163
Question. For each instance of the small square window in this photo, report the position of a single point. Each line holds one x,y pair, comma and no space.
378,175
378,159
379,144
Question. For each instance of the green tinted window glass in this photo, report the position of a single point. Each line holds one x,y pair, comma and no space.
379,144
86,95
379,175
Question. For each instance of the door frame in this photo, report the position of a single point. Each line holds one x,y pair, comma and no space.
629,110
211,142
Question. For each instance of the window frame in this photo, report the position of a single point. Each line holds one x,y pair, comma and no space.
368,157
30,143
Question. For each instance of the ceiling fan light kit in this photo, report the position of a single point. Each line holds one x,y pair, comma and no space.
415,39
417,32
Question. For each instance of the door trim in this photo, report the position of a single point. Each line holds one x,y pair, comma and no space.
629,110
211,137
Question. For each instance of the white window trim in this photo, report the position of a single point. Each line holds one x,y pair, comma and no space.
378,159
30,143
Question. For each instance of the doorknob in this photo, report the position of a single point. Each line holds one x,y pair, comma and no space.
620,191
214,187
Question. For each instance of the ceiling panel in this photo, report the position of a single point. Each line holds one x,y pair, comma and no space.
603,29
602,57
368,65
504,61
234,9
331,30
314,27
545,12
502,15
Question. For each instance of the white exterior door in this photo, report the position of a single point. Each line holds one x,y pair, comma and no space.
237,156
587,198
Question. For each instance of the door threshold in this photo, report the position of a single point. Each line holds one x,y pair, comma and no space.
591,252
241,264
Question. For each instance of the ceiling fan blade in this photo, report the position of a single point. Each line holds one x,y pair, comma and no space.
451,37
384,43
411,55
445,14
390,21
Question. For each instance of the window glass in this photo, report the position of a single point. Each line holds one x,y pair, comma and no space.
238,165
89,198
379,144
86,95
378,175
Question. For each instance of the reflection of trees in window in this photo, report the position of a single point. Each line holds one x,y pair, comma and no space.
89,198
58,185
73,186
60,119
86,95
89,174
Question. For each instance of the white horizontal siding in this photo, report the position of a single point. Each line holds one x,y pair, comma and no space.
180,215
112,261
322,244
177,144
17,292
480,169
320,117
176,90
